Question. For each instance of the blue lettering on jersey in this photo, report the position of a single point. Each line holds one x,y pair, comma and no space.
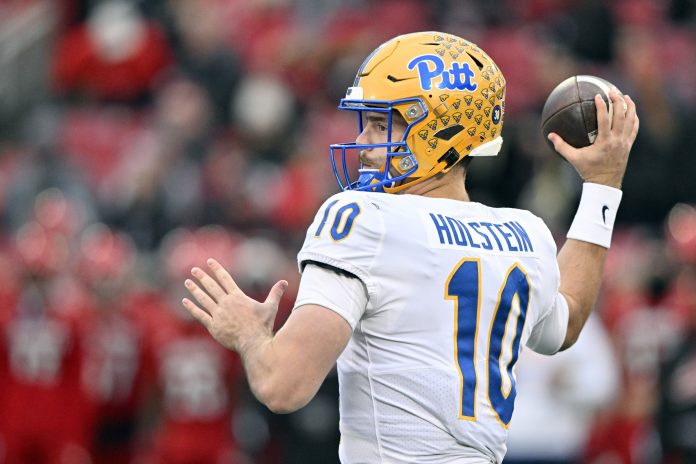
431,67
486,235
526,242
505,236
489,226
441,228
457,230
487,244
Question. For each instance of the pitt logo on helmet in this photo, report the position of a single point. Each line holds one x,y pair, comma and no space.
430,67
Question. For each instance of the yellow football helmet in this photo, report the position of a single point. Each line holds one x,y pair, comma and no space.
449,92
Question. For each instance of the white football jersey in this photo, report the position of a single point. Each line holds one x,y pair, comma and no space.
454,292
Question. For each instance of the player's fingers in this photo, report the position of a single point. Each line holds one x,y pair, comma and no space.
634,130
210,284
619,111
631,115
561,146
199,314
276,293
222,276
603,122
200,296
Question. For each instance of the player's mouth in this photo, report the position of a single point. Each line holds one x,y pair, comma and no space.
366,165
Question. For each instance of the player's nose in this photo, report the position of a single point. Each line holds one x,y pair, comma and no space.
362,138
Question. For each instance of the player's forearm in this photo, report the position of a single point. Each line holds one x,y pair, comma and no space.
271,373
581,260
581,265
259,357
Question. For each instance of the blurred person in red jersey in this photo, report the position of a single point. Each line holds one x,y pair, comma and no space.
648,316
196,379
676,411
116,367
44,416
115,56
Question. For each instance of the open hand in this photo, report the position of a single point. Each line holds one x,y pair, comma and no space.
604,162
231,317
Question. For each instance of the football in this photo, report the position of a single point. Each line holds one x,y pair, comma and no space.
570,110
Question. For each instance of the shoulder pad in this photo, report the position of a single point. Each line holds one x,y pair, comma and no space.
346,233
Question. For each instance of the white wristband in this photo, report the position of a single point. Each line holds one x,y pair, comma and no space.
594,220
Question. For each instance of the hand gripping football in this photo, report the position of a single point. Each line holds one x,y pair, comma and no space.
570,110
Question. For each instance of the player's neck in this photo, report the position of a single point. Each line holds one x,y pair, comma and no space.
446,186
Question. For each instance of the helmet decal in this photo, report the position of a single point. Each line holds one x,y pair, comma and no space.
497,114
431,67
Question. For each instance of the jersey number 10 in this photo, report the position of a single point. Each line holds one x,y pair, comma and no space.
464,287
343,221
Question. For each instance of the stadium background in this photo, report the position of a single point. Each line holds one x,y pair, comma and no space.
139,138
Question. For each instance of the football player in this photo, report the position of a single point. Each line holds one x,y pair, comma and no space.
197,380
424,297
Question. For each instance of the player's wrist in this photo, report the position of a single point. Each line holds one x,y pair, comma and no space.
252,337
606,181
594,219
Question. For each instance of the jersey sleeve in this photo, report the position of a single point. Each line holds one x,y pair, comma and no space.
346,234
342,294
549,333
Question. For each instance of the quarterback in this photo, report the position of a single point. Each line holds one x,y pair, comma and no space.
423,298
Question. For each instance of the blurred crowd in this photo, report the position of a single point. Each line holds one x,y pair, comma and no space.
138,138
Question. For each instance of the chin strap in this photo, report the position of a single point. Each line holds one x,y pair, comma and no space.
368,177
